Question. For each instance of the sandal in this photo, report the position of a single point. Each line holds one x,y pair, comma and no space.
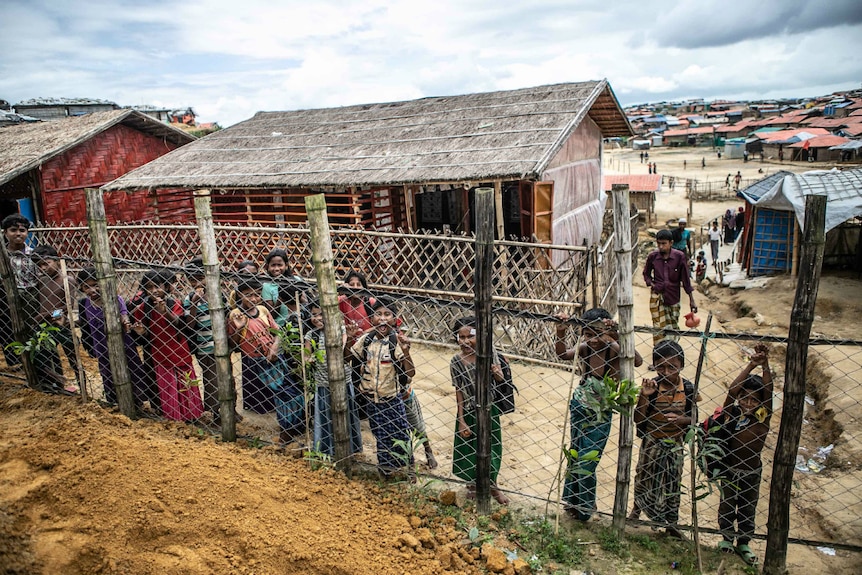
726,546
747,554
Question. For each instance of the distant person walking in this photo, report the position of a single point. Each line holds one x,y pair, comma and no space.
727,182
702,162
736,180
665,271
684,164
714,241
642,157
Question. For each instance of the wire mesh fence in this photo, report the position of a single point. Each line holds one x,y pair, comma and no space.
410,365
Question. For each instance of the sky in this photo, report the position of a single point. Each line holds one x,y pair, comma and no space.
229,60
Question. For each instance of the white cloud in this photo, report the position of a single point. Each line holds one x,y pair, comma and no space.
230,60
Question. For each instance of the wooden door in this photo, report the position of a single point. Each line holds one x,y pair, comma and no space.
537,211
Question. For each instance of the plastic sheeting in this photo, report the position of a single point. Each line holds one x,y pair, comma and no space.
843,190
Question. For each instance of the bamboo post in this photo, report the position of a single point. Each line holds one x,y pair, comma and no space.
218,315
625,307
101,248
76,341
19,329
324,271
484,343
801,318
594,260
693,460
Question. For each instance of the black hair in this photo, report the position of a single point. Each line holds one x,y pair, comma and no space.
156,277
246,264
384,301
279,253
595,314
754,383
358,275
195,268
668,349
15,220
44,252
247,283
664,235
466,321
86,275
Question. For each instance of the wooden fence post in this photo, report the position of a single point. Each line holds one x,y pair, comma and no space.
76,341
483,275
104,263
625,308
801,318
20,332
218,315
324,271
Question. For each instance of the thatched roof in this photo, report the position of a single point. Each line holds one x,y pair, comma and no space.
27,146
475,137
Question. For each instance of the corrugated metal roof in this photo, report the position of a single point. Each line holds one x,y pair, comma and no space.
821,142
636,183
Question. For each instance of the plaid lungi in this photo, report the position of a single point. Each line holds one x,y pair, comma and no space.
663,316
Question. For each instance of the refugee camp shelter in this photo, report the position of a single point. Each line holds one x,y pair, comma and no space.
45,166
775,214
642,191
412,165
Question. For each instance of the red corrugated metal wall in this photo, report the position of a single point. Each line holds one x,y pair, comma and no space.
104,158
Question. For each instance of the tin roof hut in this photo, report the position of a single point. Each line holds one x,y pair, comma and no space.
45,166
412,165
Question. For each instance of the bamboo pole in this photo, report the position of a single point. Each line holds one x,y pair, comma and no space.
594,260
19,328
693,447
76,341
625,307
324,270
483,275
801,318
101,247
218,315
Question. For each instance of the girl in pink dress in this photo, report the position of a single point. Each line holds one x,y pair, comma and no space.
162,322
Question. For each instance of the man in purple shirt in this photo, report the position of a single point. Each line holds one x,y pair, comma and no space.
664,271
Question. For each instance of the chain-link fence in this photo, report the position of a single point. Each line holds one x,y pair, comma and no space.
411,368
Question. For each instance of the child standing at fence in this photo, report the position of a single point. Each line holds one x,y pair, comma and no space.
15,229
315,345
747,411
276,267
197,308
462,369
52,299
385,365
161,321
94,339
599,354
662,416
250,328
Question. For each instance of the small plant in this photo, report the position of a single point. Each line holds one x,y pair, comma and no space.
404,451
317,459
612,543
43,338
579,463
612,395
477,538
256,442
644,541
188,383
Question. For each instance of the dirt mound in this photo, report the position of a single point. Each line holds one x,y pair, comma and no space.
83,490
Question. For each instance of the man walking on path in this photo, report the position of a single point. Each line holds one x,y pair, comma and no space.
665,270
714,241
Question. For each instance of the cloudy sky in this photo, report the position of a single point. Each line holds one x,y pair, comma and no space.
230,59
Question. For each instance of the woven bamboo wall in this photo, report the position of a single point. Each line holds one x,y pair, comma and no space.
99,160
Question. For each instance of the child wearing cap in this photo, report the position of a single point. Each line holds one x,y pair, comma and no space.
385,365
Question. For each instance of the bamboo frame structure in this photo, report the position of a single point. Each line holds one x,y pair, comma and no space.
625,307
801,318
332,321
218,316
484,269
107,277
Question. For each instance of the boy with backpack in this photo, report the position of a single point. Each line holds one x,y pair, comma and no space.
663,414
386,367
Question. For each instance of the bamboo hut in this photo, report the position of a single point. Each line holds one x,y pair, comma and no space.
642,191
412,165
45,166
